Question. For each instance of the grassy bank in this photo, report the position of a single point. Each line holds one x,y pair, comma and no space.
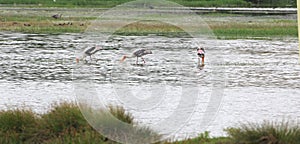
112,3
42,24
284,132
65,124
252,30
191,3
263,29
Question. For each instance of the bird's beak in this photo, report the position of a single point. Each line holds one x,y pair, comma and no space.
123,58
77,60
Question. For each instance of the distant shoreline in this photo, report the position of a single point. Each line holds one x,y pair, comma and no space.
234,10
223,25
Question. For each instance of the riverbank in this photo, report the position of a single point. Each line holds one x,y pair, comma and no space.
65,124
223,26
113,3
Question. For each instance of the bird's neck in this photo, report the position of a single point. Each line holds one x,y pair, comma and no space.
131,56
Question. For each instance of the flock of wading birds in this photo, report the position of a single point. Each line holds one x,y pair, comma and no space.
136,54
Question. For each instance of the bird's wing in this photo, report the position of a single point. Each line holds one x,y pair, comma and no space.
95,50
139,53
89,51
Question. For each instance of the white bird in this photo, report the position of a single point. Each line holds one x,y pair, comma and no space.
88,52
201,54
139,53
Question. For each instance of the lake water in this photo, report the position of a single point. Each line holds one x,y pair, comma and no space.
259,79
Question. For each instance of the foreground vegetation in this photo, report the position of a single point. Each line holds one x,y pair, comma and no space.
65,124
284,132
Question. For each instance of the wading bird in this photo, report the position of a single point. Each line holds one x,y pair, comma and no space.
139,53
88,52
201,54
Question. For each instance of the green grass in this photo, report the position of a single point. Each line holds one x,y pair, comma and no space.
50,30
259,33
213,3
261,29
64,123
222,30
255,30
16,125
28,18
112,3
67,3
203,138
143,28
284,132
274,3
42,24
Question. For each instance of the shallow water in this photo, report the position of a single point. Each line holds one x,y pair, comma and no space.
260,77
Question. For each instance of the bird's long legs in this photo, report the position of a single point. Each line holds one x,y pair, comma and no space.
143,59
137,60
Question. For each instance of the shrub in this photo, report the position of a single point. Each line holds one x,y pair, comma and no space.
16,126
284,132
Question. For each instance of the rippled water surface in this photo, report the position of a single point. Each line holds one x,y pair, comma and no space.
260,77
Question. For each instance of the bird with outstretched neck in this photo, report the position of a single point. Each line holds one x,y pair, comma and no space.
88,52
139,53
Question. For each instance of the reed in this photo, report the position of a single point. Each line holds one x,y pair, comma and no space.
203,138
284,132
17,125
64,123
